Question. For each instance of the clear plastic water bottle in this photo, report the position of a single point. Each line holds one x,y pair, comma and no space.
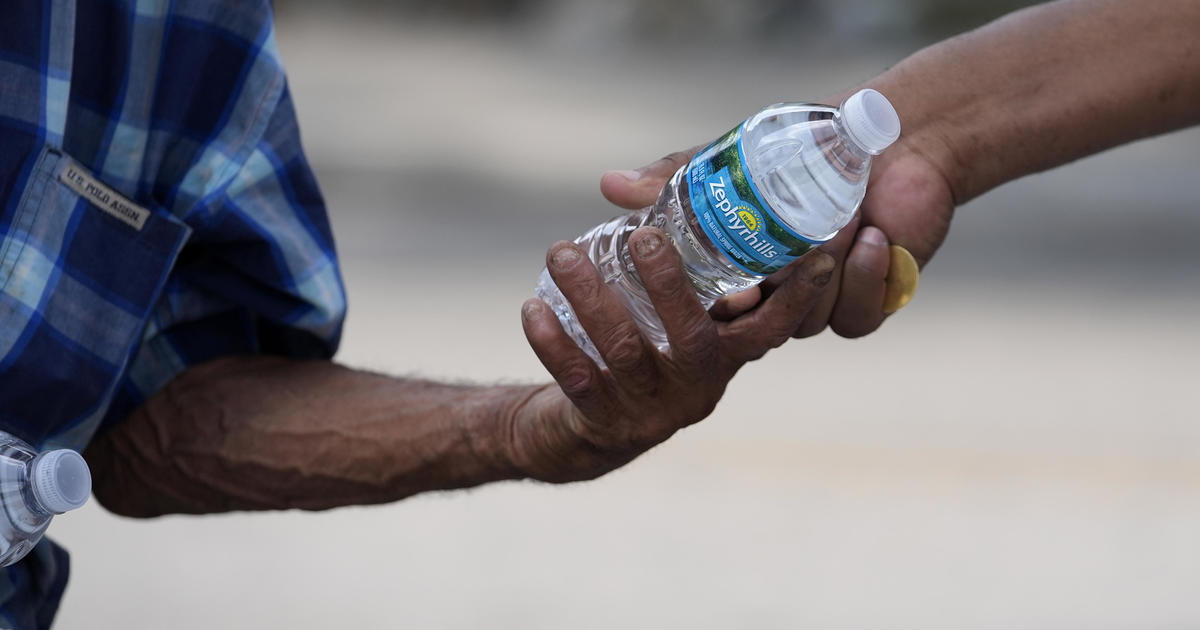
33,488
761,196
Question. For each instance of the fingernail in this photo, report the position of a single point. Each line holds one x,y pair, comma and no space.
821,265
647,244
531,311
872,236
632,176
565,257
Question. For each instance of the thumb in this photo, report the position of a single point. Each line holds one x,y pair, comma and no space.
640,187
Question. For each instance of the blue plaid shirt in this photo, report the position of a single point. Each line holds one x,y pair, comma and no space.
157,212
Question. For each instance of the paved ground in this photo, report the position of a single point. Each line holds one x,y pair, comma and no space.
1018,449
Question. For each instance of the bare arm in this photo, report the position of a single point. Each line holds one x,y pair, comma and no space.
248,433
1048,85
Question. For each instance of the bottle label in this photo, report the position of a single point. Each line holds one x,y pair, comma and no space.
734,215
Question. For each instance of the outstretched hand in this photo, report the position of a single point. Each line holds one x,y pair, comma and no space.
596,420
908,203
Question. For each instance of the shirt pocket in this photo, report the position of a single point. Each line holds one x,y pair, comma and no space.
80,269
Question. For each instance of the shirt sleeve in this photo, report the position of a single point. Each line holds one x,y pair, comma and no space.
259,274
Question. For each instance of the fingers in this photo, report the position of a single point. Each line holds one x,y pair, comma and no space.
859,309
735,305
690,331
575,372
837,248
630,358
773,322
640,187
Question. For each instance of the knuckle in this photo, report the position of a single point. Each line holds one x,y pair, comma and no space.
759,335
778,337
623,347
698,339
776,331
665,281
576,380
583,293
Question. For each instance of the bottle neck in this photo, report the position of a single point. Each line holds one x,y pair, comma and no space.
843,152
847,138
33,502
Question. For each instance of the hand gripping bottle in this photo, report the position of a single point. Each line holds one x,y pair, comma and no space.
33,488
764,194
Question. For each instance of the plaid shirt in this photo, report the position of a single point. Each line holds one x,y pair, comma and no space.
157,212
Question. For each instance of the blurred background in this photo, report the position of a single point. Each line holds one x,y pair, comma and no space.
1019,448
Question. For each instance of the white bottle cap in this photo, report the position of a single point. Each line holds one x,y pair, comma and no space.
871,120
61,480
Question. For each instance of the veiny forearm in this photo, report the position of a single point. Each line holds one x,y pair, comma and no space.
1048,85
249,433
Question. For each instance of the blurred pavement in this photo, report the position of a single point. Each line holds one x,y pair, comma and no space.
1019,448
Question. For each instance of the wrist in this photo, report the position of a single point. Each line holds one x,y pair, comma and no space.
928,130
547,439
490,426
533,431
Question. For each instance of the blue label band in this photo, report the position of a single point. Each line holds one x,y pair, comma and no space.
734,215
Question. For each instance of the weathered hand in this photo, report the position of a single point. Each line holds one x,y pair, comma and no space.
908,203
596,420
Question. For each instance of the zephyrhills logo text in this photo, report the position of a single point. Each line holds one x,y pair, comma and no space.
741,220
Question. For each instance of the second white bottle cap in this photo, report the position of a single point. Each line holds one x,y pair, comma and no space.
61,480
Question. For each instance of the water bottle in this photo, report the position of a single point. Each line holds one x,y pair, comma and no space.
766,193
33,488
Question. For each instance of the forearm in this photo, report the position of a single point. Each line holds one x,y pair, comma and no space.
1048,85
250,433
